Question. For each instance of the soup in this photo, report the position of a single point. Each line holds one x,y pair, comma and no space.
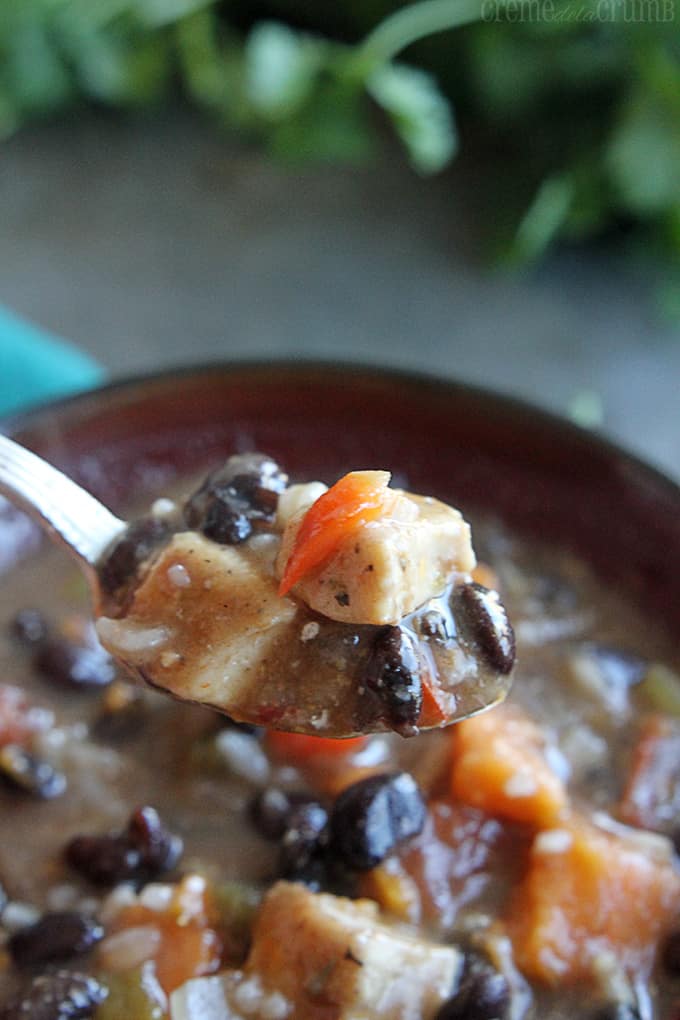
158,860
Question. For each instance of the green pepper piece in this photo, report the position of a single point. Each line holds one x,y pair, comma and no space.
237,904
135,993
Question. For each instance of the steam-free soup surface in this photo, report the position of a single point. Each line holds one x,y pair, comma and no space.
506,821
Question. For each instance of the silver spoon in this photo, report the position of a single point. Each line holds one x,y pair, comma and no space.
288,698
67,512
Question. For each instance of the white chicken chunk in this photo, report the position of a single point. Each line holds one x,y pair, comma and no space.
317,955
216,614
387,567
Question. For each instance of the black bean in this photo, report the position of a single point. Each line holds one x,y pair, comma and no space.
104,860
270,810
25,772
250,487
483,994
29,626
481,617
144,851
670,954
393,673
160,849
225,521
238,496
245,474
313,872
372,817
616,1011
122,561
56,936
74,665
303,840
60,995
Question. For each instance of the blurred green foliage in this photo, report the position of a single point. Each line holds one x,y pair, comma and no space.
576,111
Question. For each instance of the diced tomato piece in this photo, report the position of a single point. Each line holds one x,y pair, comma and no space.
357,498
498,765
586,893
19,720
329,765
432,712
301,747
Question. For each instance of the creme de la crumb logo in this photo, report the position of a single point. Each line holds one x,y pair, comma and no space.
629,12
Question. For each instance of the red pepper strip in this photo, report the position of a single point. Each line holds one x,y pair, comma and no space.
358,497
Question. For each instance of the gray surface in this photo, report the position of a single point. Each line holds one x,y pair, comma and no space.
159,244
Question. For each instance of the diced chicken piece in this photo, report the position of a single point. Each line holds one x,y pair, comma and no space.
334,960
228,996
211,614
387,567
297,498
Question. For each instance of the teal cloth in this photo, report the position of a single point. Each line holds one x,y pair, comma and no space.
36,366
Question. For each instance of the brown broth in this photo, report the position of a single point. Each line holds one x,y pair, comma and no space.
557,608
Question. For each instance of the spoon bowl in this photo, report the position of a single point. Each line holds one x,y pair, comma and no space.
296,670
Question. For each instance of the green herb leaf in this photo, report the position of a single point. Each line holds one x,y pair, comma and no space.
212,67
32,73
332,125
154,13
543,220
644,156
281,67
421,116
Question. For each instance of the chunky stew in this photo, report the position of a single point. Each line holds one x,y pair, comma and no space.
160,860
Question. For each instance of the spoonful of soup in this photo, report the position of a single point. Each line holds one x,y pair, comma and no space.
329,611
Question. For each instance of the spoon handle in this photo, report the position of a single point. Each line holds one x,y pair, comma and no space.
59,505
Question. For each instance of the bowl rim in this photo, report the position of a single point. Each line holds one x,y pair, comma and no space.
304,369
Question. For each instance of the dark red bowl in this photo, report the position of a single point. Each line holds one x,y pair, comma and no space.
543,476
